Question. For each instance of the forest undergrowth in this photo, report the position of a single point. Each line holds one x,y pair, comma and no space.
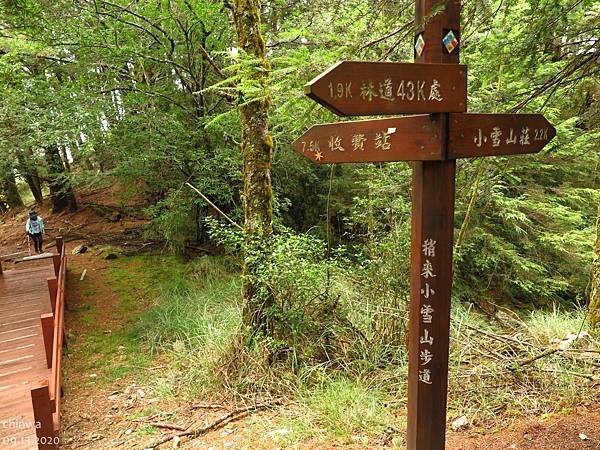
350,385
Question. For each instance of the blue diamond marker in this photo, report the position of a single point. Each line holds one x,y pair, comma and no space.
450,41
420,45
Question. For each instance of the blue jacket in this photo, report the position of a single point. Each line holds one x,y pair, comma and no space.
29,226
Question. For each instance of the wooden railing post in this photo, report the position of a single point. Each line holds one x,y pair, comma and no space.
48,335
59,244
43,416
52,290
0,267
56,262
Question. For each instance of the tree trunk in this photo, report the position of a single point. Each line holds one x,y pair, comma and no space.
595,286
61,191
64,157
257,151
31,176
470,210
13,199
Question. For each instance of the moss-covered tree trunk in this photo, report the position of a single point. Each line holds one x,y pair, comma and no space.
257,150
595,290
61,191
30,173
11,193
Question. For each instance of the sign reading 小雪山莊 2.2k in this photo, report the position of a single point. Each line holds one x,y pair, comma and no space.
472,135
362,88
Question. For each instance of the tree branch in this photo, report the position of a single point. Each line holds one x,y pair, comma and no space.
216,208
141,91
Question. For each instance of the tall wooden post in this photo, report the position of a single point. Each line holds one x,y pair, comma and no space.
433,189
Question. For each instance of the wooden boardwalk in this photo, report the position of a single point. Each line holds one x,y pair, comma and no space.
24,298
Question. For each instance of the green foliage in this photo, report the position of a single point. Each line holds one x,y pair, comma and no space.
306,307
229,238
340,409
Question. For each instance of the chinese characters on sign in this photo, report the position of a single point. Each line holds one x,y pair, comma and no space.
361,88
523,138
407,138
380,140
427,292
388,90
473,135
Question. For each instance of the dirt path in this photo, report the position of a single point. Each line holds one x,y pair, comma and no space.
106,397
577,431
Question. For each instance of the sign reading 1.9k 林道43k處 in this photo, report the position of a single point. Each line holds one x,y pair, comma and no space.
363,88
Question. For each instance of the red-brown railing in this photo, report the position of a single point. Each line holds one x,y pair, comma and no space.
46,397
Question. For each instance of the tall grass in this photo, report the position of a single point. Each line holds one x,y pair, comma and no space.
355,392
514,366
195,319
350,411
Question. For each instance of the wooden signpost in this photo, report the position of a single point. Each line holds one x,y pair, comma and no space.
434,84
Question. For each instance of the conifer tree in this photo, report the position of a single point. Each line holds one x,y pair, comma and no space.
257,149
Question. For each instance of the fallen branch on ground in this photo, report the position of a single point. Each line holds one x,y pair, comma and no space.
207,406
170,426
535,358
215,207
223,420
568,372
499,337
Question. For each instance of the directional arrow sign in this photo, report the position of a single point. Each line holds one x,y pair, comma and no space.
473,135
363,88
409,138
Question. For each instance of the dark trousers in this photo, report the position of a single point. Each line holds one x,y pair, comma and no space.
38,240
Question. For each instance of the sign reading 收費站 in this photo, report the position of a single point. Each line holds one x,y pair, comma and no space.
408,138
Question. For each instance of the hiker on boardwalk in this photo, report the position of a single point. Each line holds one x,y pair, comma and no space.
35,230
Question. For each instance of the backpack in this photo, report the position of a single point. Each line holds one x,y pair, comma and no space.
35,226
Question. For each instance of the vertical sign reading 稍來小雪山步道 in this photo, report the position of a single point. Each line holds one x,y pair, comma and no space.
426,311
